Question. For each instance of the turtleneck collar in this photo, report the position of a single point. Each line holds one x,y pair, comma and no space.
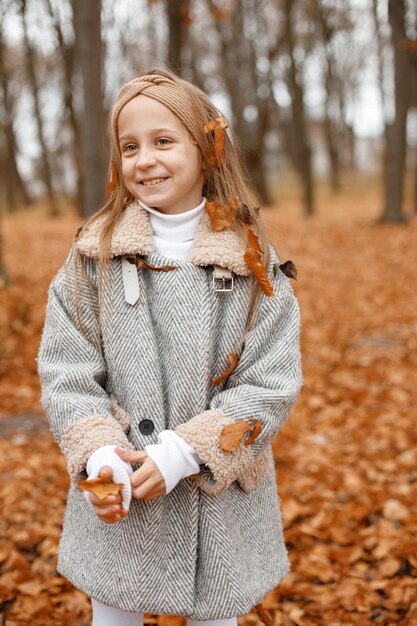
176,227
173,234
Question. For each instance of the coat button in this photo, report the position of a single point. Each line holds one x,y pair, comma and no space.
146,427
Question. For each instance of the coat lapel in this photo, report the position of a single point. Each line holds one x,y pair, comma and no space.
133,235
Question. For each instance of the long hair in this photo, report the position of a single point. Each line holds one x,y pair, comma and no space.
224,180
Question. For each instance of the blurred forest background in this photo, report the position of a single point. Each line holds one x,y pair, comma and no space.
319,88
323,97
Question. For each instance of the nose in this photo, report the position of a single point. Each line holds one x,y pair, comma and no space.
145,158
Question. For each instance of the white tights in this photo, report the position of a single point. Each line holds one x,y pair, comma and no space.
105,615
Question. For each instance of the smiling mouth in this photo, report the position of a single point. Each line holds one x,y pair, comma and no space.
152,182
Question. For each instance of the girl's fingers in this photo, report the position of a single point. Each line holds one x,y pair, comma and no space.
132,456
106,472
148,490
105,502
110,514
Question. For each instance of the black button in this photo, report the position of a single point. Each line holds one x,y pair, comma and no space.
146,427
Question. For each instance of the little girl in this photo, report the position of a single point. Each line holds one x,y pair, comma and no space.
169,360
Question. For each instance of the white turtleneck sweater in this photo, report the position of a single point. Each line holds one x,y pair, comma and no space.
173,234
175,458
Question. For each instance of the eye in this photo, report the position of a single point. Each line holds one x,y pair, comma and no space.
164,139
129,147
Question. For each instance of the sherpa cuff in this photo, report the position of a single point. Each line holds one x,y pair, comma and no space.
83,437
203,432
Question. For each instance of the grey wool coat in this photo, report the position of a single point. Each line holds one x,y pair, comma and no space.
212,547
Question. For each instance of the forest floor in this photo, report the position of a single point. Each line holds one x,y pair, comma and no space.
346,459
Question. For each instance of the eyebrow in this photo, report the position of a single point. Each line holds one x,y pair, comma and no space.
155,130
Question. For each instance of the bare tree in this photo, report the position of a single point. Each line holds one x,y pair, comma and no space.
33,82
178,23
323,16
87,20
381,71
15,191
242,83
66,51
300,132
397,132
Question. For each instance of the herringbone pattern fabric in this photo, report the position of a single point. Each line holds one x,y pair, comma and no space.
186,553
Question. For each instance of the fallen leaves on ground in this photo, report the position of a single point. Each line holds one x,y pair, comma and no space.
346,459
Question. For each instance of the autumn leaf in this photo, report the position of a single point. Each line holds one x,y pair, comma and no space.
252,257
233,359
101,487
263,614
111,186
289,269
139,262
244,214
218,126
217,214
232,434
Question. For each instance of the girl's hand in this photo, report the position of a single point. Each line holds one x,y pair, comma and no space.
147,482
108,509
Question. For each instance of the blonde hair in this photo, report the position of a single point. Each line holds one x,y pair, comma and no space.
223,179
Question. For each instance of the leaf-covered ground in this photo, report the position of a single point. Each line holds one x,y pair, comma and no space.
346,459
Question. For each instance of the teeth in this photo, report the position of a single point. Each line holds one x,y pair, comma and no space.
154,181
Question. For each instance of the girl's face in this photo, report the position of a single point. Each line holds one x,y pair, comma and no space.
161,164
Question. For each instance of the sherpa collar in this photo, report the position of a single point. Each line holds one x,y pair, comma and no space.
133,235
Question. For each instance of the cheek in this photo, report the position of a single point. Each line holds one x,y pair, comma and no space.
127,169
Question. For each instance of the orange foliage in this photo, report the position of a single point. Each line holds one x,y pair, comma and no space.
232,434
233,359
221,216
217,126
252,257
112,184
346,459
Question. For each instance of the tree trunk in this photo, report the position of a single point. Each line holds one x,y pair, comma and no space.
238,64
329,82
178,30
87,20
15,189
67,55
381,73
302,147
397,132
30,66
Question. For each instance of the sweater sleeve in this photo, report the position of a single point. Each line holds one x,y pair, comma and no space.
72,371
263,387
174,458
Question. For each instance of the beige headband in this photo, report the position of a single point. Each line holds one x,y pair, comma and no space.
165,91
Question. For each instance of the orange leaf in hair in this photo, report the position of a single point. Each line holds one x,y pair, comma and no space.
234,205
111,186
101,487
252,257
233,434
217,214
218,126
233,360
